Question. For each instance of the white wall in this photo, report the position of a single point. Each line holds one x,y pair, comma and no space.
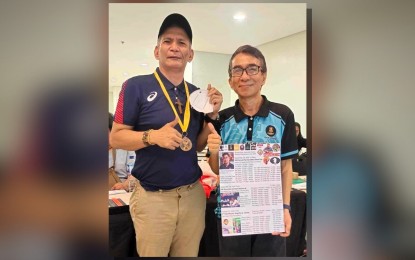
188,72
212,68
286,78
111,107
113,98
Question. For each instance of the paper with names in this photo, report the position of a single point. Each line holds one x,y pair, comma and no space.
199,100
251,190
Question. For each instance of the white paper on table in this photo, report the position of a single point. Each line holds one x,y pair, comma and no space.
112,192
200,101
300,186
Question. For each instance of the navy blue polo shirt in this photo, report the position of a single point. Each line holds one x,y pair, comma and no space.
274,123
142,104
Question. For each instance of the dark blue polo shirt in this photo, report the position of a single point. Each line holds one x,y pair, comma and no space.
142,104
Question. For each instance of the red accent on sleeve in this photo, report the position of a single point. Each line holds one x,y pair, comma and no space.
119,112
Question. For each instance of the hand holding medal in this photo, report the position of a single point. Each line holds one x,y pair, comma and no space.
215,98
206,100
185,143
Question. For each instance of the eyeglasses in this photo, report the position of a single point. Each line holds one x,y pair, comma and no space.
250,70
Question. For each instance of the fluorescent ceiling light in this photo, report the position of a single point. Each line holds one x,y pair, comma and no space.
239,16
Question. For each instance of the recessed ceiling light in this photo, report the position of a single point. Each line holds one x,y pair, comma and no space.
144,64
239,17
125,74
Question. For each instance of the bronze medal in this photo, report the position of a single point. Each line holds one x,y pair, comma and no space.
186,144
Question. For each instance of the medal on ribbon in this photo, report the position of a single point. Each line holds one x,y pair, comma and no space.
186,144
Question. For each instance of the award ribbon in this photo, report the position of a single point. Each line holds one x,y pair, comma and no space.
186,144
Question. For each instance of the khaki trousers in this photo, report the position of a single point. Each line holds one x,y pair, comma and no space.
168,222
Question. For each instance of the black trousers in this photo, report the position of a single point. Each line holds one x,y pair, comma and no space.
251,245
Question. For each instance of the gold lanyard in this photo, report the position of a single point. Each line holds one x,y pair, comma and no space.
186,118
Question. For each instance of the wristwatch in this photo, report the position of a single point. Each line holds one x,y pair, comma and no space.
210,120
286,206
146,137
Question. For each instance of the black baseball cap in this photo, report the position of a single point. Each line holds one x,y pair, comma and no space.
176,20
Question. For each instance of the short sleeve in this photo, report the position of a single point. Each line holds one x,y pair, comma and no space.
128,106
289,145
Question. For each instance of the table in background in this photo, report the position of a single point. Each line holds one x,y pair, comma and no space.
122,235
121,229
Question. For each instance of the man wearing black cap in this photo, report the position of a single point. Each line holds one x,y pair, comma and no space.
154,118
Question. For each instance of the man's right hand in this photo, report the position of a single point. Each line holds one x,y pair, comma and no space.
214,140
167,136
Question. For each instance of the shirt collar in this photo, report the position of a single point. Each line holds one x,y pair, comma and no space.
168,85
262,112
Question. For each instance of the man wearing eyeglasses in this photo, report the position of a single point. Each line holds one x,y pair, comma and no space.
263,121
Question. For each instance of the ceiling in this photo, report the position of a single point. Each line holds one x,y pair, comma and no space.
133,30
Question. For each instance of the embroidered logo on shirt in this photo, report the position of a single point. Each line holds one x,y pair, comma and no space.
152,96
270,130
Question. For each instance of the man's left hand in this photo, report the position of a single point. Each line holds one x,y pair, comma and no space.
287,223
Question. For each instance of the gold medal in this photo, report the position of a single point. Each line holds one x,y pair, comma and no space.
186,144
